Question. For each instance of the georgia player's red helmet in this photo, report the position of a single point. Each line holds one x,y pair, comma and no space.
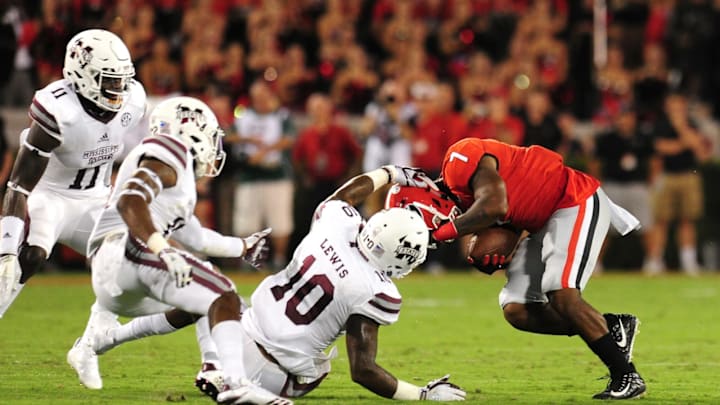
434,206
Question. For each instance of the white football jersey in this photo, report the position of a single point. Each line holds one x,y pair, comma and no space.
172,208
299,312
82,164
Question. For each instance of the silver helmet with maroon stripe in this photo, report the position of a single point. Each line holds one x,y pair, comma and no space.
98,64
194,123
395,240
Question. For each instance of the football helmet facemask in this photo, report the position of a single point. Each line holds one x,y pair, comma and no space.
98,64
434,206
194,123
394,240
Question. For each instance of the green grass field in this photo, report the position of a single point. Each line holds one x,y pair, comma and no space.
449,324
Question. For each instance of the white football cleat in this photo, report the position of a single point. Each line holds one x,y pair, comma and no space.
248,393
209,380
85,362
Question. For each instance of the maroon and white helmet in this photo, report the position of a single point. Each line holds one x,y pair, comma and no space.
434,206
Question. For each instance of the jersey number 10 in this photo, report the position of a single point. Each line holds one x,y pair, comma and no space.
318,280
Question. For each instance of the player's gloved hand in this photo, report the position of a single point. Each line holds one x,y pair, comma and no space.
10,273
257,248
442,390
489,263
177,266
409,176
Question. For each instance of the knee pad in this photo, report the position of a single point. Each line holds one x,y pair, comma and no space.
31,259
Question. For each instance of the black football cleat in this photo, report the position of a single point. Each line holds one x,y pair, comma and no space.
623,328
627,386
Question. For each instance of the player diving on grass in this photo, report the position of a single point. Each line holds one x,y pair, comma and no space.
135,271
61,177
567,216
340,279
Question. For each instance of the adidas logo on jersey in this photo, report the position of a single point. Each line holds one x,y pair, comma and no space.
7,235
104,138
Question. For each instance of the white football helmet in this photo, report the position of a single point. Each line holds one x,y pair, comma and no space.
395,240
194,123
98,64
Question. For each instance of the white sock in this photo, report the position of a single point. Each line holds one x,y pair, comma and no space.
688,258
97,313
208,350
226,335
13,295
143,326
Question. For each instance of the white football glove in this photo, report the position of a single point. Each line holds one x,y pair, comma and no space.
257,248
10,273
442,390
409,176
177,266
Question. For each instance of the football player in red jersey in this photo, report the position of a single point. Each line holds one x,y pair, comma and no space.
567,216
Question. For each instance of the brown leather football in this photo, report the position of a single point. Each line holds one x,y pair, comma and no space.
492,241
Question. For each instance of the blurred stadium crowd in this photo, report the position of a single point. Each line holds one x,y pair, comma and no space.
353,83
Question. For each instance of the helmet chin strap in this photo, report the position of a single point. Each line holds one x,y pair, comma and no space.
96,111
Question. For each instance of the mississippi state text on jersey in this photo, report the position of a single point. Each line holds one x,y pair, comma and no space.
82,164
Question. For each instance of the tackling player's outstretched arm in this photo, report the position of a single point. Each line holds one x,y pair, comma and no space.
359,188
29,167
361,342
490,202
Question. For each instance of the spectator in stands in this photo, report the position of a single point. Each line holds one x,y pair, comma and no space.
139,34
231,74
499,123
18,36
49,45
296,80
625,161
474,85
202,57
159,74
324,156
540,121
6,157
678,191
355,84
264,189
614,83
651,82
386,132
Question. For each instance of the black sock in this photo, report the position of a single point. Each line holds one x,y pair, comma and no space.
606,349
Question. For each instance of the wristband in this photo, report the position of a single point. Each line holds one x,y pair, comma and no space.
12,229
446,231
157,243
406,391
379,177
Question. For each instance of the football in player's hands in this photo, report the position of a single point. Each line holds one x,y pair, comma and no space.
492,248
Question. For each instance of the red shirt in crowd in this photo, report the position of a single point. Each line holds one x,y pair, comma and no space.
326,155
536,180
433,137
511,130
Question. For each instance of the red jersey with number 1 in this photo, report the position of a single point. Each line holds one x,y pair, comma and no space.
537,181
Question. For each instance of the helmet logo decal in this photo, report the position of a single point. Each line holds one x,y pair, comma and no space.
84,54
187,114
407,251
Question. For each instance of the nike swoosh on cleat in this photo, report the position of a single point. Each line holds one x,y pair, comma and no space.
623,336
620,394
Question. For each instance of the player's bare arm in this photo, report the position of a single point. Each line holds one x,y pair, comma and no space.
150,178
359,188
361,341
490,195
29,167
